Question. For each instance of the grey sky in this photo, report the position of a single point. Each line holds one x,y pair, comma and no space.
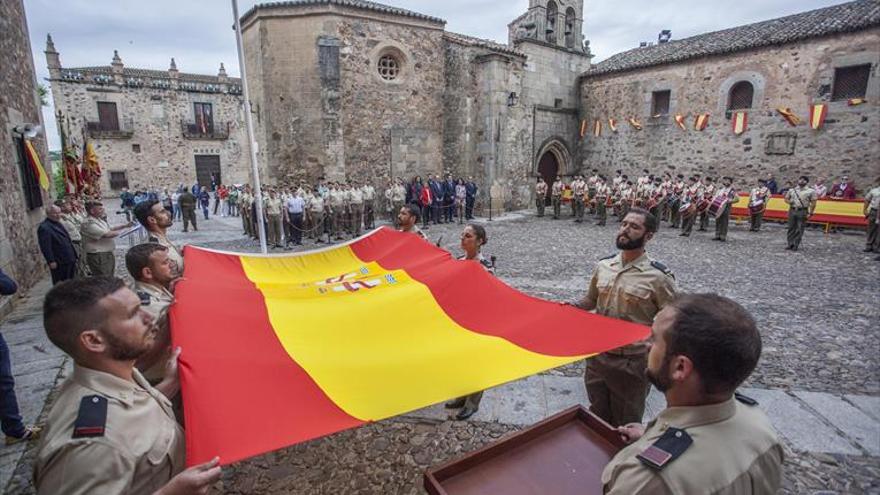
198,34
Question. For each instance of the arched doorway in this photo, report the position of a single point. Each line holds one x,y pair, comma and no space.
548,168
552,160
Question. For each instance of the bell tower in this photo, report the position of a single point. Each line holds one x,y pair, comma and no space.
558,23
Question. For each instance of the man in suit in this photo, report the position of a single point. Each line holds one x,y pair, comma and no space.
471,197
56,246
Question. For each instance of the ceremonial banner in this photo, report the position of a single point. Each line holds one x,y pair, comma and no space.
583,128
280,349
36,165
831,211
597,128
817,115
701,122
679,119
635,123
789,116
612,124
740,122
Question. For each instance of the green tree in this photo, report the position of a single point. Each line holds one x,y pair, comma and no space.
43,91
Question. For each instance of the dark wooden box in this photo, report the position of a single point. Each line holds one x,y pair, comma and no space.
564,454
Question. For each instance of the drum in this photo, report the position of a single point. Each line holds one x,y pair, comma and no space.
651,204
757,206
672,199
702,205
609,201
687,210
716,209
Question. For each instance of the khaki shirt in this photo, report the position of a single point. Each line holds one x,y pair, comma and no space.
174,254
244,201
92,231
872,199
273,206
541,189
356,197
316,205
141,449
72,223
369,193
578,188
734,451
801,197
160,301
417,231
635,292
398,193
556,190
602,192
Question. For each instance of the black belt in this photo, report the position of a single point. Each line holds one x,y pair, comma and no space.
798,209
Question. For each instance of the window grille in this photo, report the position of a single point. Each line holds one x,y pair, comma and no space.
850,82
389,68
741,95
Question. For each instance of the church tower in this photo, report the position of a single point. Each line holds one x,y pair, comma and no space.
556,23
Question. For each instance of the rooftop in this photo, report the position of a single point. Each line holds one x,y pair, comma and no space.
466,40
357,4
154,74
843,18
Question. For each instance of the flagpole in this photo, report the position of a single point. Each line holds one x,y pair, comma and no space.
249,120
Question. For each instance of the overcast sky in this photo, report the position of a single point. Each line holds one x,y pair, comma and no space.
198,34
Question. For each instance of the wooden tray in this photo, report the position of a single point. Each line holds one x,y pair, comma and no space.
564,454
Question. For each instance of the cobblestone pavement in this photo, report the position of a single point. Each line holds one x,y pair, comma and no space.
818,378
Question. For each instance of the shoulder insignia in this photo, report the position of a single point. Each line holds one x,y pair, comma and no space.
91,418
666,449
486,263
145,298
663,268
153,239
608,257
745,399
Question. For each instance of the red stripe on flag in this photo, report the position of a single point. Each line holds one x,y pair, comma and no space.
470,306
242,384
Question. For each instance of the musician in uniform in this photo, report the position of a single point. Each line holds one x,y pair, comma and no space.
556,197
872,215
725,197
708,194
601,198
802,202
709,439
628,286
540,196
578,190
627,198
758,199
676,201
473,238
591,189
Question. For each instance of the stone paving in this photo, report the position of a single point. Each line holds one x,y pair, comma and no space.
819,379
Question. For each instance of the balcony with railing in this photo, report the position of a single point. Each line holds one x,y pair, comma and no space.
111,130
207,131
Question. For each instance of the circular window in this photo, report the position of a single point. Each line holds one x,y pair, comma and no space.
389,67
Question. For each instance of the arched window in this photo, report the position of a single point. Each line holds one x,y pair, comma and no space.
570,18
741,95
552,12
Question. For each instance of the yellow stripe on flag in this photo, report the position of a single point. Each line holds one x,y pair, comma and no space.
34,159
366,319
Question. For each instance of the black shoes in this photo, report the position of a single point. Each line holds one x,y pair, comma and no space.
465,413
455,404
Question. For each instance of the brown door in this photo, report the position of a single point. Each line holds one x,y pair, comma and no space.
208,168
548,167
107,116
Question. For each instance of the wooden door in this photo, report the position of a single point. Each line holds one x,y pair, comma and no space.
107,116
548,167
206,167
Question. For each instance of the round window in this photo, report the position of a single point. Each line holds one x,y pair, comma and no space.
389,67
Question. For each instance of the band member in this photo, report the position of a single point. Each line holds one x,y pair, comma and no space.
602,198
708,194
692,195
591,188
758,199
541,196
556,197
802,202
675,202
728,196
872,214
578,190
627,199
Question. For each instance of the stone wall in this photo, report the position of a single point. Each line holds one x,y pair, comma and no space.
19,104
794,76
157,153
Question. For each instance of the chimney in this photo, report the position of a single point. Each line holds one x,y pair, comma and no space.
664,36
53,58
643,44
172,70
117,68
221,74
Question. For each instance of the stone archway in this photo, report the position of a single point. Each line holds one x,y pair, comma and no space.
553,159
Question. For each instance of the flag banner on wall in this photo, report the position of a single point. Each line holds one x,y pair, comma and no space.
597,128
701,122
856,101
583,128
635,123
789,116
612,124
818,112
33,159
740,122
305,345
679,120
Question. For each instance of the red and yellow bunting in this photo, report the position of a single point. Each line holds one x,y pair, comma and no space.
679,120
597,128
583,128
36,165
740,122
612,124
818,112
635,123
789,116
701,122
856,101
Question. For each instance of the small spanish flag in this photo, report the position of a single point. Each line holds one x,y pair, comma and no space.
818,112
612,124
740,122
856,101
583,128
789,116
597,128
701,122
36,165
679,119
635,123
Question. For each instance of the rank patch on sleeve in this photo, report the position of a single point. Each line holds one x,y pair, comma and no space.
666,449
91,418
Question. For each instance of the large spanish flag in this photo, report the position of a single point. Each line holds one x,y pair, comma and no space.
278,350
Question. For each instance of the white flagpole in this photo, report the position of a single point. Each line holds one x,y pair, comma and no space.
249,120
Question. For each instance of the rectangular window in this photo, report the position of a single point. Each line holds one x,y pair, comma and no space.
850,82
136,148
204,117
557,103
118,180
108,119
30,185
660,103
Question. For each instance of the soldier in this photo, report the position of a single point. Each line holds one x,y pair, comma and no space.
337,210
272,217
628,286
398,196
356,205
708,193
109,430
802,202
187,202
556,197
692,195
758,199
677,192
728,194
709,438
99,240
72,221
619,180
316,215
540,196
591,189
246,205
603,192
578,190
627,198
872,214
369,193
408,219
156,220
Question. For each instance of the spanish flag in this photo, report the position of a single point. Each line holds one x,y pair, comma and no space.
583,128
597,128
856,101
740,122
701,122
36,165
817,115
789,116
612,124
679,120
280,349
635,123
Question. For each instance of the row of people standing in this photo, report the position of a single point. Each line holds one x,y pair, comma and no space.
440,200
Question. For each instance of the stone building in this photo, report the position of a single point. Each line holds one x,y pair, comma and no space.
20,196
153,127
826,56
354,90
